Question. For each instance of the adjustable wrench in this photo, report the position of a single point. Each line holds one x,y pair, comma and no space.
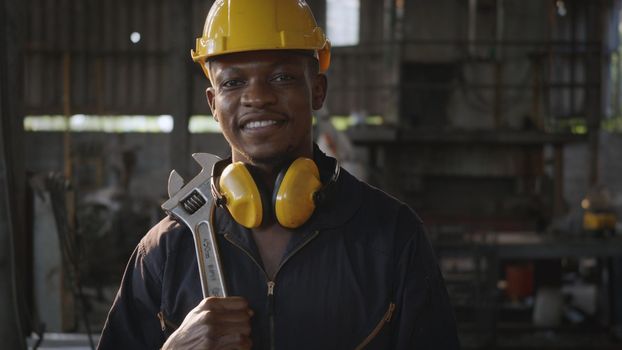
193,204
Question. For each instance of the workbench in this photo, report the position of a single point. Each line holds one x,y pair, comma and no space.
490,251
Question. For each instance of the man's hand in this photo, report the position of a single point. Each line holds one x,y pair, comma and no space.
216,323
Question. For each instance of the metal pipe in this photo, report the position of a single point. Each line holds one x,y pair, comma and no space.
499,92
499,28
472,26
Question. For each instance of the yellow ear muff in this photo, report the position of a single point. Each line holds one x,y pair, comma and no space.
293,203
242,197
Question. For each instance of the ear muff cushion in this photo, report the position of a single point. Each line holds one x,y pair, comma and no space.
242,198
293,202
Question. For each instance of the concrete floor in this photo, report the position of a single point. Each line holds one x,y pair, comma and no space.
62,341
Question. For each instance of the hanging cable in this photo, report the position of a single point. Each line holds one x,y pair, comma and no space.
71,250
12,260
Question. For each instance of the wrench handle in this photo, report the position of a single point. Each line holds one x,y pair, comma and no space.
208,259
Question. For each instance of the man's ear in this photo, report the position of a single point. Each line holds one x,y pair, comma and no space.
211,97
318,93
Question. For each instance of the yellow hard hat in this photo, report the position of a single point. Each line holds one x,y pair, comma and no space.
252,25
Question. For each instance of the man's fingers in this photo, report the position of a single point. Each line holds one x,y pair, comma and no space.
244,330
226,316
234,342
216,333
216,323
228,303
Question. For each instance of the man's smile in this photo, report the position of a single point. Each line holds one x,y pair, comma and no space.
259,124
260,121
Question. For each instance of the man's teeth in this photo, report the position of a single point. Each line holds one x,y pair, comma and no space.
260,124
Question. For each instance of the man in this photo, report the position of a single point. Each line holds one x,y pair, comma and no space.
358,273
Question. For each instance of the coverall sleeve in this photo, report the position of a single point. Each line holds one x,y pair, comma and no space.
424,314
132,322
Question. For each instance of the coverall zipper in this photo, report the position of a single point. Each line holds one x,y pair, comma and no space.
271,283
385,319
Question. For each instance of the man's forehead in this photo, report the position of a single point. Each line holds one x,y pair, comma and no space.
266,57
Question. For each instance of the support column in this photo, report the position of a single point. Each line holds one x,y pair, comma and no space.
594,72
393,34
558,181
13,238
181,40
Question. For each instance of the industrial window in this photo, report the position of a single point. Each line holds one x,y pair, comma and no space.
343,122
98,123
200,124
342,22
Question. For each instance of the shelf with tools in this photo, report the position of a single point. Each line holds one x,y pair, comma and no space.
458,176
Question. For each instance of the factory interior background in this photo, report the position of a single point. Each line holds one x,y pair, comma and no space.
498,121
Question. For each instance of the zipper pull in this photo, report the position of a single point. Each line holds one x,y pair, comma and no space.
389,313
162,323
271,287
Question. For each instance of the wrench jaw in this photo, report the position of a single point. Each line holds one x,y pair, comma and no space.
193,204
175,183
180,194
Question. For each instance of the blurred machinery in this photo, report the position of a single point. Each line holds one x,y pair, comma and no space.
80,251
599,215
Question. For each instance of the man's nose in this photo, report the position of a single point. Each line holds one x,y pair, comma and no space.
258,94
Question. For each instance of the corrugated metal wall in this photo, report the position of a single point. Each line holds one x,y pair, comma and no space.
87,44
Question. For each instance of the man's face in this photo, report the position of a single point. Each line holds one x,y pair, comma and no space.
263,102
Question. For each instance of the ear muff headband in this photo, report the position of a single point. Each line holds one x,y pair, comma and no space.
294,196
241,196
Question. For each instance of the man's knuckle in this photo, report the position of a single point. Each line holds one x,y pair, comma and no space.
210,302
209,317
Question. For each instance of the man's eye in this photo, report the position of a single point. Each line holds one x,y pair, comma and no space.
232,83
282,77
